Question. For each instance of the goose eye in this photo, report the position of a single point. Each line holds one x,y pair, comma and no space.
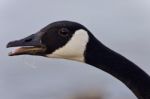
64,32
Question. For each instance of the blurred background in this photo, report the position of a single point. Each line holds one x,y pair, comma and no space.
122,25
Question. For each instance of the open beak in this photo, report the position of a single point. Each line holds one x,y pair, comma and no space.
30,45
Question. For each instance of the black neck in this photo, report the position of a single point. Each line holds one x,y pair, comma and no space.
111,62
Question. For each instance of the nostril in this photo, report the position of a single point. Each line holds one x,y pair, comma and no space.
28,40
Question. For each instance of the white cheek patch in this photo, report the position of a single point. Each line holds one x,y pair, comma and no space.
75,47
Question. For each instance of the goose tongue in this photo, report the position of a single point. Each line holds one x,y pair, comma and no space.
26,50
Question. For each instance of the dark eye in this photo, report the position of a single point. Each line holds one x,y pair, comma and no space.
64,32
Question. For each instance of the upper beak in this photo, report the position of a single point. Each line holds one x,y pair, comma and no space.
31,40
29,45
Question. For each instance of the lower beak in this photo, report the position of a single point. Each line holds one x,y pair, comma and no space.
30,45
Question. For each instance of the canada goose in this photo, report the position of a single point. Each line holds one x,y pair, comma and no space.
73,41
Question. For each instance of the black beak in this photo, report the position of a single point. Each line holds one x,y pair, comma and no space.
30,45
32,40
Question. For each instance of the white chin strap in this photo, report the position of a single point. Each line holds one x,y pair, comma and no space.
75,47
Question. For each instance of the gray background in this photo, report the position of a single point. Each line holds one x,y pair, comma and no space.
123,25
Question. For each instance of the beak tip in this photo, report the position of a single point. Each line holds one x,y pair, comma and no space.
10,54
8,45
11,44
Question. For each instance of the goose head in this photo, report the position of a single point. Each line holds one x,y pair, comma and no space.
62,39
